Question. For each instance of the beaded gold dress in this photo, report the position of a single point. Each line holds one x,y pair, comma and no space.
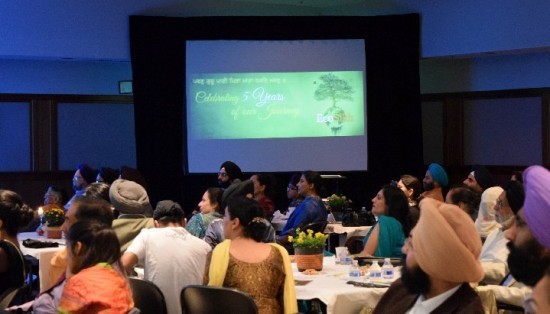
263,281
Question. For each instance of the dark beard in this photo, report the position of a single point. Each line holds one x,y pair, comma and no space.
528,262
428,186
223,184
415,280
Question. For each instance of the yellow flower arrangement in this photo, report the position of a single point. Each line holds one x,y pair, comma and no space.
338,202
53,217
308,240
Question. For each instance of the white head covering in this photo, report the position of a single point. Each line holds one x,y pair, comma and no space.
485,222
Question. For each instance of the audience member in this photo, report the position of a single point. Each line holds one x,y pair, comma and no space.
434,181
266,267
107,175
215,234
229,173
132,202
479,179
264,192
386,237
441,260
83,176
98,190
411,186
210,209
465,198
82,209
517,176
14,214
530,239
53,198
311,209
93,285
281,216
172,258
486,220
494,253
541,296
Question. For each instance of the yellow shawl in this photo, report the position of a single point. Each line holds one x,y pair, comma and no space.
220,261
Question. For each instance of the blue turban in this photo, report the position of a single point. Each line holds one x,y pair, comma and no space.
438,174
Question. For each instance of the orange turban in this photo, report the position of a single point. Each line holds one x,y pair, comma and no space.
446,243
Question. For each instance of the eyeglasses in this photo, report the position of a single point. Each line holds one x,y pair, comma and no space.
500,203
222,174
77,177
290,188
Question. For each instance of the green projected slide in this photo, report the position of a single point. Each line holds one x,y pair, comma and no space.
276,105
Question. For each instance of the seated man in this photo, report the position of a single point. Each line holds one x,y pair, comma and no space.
434,181
132,202
441,260
479,179
494,252
172,257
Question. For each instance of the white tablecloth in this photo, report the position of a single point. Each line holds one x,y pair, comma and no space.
43,255
36,252
330,287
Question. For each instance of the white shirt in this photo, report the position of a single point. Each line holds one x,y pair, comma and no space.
494,257
423,306
172,259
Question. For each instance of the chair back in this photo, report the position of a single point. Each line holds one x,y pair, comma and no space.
16,272
7,297
317,226
147,296
197,299
131,216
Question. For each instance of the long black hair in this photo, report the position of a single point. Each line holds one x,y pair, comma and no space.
397,206
99,244
251,217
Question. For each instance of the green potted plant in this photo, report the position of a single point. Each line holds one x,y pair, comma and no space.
308,249
337,204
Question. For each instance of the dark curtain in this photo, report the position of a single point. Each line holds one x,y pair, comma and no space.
393,92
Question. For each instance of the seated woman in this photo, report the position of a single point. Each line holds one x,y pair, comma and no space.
311,209
387,236
14,215
264,193
261,270
210,209
281,216
411,186
93,285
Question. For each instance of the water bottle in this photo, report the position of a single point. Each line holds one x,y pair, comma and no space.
354,270
375,270
387,269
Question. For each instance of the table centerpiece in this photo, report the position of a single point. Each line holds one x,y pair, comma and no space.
52,220
308,249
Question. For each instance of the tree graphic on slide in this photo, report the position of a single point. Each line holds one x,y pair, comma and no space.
334,89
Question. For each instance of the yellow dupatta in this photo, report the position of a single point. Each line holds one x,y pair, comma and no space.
220,261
